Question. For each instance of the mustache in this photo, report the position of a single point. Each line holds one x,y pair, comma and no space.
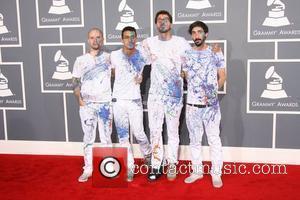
198,42
163,29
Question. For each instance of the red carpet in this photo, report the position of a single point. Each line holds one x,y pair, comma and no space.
55,177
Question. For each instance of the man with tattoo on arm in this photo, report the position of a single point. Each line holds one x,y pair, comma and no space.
92,89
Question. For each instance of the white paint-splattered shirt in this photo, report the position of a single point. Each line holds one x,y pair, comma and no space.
95,75
202,75
165,60
126,69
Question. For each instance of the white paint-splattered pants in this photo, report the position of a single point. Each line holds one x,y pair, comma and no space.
129,113
92,114
198,120
157,110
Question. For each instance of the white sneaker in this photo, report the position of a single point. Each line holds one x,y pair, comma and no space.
193,177
171,173
84,177
217,181
130,175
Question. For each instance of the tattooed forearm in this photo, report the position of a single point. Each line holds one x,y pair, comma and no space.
76,83
76,88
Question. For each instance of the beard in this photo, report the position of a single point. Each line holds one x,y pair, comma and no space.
163,29
97,44
96,47
198,42
131,45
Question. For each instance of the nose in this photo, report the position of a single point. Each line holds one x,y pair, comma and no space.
199,35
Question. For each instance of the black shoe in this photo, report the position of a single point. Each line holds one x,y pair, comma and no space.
154,174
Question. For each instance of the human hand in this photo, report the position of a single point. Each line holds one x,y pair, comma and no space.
138,79
216,48
81,103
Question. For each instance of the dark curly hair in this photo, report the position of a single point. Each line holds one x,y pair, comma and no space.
163,12
198,24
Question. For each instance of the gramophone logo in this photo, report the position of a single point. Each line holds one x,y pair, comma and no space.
62,69
3,28
127,17
198,4
59,7
4,90
276,17
274,86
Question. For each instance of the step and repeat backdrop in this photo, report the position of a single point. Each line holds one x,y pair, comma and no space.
40,40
